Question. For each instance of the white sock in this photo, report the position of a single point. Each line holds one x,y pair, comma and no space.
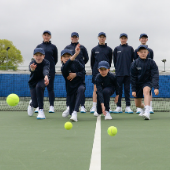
74,112
94,104
127,107
147,108
150,103
82,107
68,107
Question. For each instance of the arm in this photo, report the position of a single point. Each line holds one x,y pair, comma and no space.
132,55
85,55
46,69
32,66
133,76
152,54
92,59
115,57
110,57
55,55
135,55
154,75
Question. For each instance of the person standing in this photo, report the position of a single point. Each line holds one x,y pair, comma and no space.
51,54
83,58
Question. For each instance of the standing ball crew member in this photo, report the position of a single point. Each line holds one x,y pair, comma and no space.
51,54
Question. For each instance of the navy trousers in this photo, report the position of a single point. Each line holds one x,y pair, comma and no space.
50,89
37,95
107,92
124,80
75,99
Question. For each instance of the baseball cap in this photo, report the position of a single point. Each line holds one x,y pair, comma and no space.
46,31
101,33
103,64
66,51
123,35
74,34
142,47
143,35
39,50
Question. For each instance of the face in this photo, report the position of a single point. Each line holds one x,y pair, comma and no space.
102,39
143,40
74,39
65,58
123,40
39,57
103,71
143,53
46,37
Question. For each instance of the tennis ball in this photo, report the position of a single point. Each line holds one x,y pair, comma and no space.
68,125
12,99
112,131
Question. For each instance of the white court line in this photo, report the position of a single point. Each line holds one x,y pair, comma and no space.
95,163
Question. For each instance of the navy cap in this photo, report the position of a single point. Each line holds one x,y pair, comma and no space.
74,34
46,31
123,35
39,50
143,47
101,33
66,51
103,64
143,35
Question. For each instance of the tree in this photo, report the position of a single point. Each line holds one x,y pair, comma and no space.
11,57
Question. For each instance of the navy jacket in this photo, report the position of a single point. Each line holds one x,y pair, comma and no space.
73,67
51,54
123,56
150,55
40,72
83,57
103,82
144,71
100,53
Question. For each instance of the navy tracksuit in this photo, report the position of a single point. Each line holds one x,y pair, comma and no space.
123,57
150,55
144,72
75,88
106,86
83,58
100,53
51,54
36,82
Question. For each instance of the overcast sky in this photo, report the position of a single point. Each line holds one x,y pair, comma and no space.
23,21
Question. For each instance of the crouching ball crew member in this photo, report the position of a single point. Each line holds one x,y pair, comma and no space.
106,84
39,79
144,76
75,87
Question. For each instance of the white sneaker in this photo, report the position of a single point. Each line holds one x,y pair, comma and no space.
41,114
51,109
151,110
36,110
66,112
30,110
141,112
74,116
128,110
108,116
118,110
111,111
146,115
96,114
93,109
138,110
82,110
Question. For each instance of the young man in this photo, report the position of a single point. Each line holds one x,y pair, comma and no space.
143,40
82,58
144,76
51,54
101,52
123,57
75,87
39,79
106,84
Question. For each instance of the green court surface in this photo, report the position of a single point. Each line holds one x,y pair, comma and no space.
28,143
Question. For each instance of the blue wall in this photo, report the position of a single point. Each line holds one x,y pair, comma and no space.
18,84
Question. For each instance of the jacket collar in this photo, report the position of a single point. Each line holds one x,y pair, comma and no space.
74,43
47,42
102,45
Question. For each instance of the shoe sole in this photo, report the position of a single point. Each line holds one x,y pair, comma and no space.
92,112
36,112
109,119
51,112
129,112
145,117
73,120
137,112
82,112
151,112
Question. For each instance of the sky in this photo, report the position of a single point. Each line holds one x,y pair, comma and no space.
23,22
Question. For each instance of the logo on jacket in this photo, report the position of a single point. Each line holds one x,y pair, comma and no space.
138,68
96,52
118,51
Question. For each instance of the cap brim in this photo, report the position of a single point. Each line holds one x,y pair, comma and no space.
101,35
75,35
66,53
103,67
47,33
144,36
39,52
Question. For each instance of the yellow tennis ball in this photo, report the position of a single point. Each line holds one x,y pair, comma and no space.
112,131
12,99
68,125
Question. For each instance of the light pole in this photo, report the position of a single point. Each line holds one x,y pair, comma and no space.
7,57
164,60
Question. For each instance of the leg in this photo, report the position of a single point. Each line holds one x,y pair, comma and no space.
127,90
40,87
50,88
93,109
83,100
138,103
34,102
151,109
99,109
120,82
